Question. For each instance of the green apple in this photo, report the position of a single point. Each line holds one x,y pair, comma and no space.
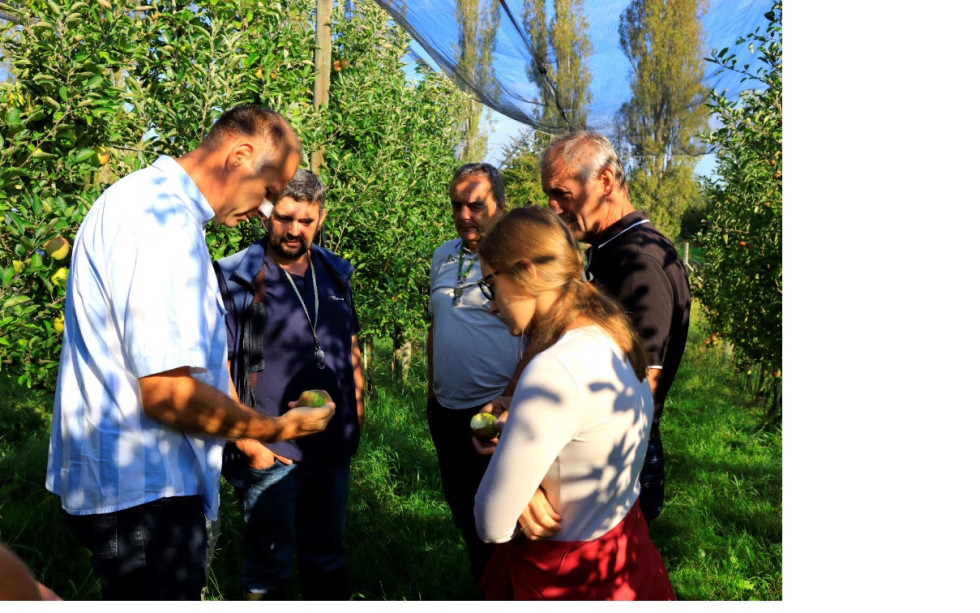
313,398
482,426
60,277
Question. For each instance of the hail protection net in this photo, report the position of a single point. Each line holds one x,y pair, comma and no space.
560,64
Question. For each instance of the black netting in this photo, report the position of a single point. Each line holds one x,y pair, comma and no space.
556,64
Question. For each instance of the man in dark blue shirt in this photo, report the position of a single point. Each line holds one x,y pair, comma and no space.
292,327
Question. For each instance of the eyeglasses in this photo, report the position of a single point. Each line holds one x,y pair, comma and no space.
485,287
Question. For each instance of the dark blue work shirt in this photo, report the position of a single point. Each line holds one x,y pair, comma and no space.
290,365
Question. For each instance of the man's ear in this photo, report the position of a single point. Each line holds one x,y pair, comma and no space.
238,154
607,178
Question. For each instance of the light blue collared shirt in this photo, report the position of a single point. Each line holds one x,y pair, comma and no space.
142,299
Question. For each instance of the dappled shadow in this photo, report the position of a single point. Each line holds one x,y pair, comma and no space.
608,447
652,289
759,483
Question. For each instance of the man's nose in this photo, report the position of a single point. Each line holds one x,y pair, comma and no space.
554,206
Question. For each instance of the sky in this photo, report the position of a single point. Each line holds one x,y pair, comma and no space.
724,22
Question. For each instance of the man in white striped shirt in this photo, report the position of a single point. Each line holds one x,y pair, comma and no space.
142,400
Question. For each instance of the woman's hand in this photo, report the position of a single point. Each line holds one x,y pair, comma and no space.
539,520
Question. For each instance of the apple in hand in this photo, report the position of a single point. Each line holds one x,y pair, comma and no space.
482,426
313,398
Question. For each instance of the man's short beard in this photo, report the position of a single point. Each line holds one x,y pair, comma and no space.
277,248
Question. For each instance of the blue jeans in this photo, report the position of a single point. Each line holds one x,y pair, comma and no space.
301,505
154,551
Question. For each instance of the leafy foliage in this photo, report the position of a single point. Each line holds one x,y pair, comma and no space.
387,164
521,169
658,128
741,282
98,91
66,103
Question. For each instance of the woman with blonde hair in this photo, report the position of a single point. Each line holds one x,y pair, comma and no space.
577,427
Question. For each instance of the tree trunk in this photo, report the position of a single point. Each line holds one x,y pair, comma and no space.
401,361
367,361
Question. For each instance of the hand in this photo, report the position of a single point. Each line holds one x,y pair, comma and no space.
539,520
46,592
259,456
498,406
301,421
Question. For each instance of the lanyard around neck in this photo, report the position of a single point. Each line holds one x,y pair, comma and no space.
317,353
461,275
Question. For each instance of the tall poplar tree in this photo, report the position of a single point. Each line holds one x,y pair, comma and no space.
478,21
658,127
565,40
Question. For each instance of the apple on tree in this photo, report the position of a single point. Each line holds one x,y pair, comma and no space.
57,248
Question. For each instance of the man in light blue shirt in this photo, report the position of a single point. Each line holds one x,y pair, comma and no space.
142,400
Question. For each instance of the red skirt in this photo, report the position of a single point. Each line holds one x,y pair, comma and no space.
622,564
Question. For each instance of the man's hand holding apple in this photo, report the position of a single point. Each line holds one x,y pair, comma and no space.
498,406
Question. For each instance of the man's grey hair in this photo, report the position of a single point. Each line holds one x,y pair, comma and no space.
259,122
490,172
587,151
305,186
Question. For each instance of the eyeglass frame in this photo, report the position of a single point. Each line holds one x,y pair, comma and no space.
485,287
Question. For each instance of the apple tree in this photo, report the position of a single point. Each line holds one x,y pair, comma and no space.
63,105
96,90
741,282
391,131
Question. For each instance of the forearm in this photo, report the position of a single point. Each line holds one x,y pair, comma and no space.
176,399
356,362
652,375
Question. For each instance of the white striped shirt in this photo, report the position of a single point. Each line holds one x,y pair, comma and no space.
142,299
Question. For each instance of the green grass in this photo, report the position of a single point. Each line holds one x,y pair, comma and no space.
720,533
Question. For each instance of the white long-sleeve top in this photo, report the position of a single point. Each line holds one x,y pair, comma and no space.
578,426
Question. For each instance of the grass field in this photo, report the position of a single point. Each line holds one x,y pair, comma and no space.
720,533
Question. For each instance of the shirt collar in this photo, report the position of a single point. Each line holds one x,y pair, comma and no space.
189,192
466,250
619,227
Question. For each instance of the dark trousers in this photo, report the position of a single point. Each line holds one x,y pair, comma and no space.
154,551
652,476
301,506
461,468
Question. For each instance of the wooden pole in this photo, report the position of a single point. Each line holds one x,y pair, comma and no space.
321,58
